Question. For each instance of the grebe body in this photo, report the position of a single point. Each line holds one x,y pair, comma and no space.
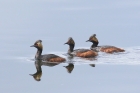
85,53
106,48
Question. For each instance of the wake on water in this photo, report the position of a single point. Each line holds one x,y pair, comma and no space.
129,57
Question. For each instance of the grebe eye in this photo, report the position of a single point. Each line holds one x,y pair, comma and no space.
36,44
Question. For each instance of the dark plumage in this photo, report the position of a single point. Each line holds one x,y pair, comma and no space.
85,53
38,74
107,49
70,67
46,57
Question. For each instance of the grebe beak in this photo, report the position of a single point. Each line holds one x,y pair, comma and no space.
31,74
88,41
32,46
66,43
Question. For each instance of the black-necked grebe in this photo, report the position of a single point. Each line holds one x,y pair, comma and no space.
85,53
107,49
46,57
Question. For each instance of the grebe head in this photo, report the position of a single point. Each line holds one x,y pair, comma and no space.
70,41
71,44
38,44
70,67
37,75
92,38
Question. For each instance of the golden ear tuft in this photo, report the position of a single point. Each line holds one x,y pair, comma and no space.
93,38
40,45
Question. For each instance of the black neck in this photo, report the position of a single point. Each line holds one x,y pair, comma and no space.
38,66
38,54
95,44
71,47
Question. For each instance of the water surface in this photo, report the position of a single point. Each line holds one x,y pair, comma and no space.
115,23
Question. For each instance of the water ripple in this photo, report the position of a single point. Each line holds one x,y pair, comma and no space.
129,57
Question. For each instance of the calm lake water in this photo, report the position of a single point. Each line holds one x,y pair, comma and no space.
106,73
115,23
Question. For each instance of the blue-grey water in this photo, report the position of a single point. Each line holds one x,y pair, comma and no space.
114,22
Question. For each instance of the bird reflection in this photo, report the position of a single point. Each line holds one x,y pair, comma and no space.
38,64
50,64
92,65
38,73
69,67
